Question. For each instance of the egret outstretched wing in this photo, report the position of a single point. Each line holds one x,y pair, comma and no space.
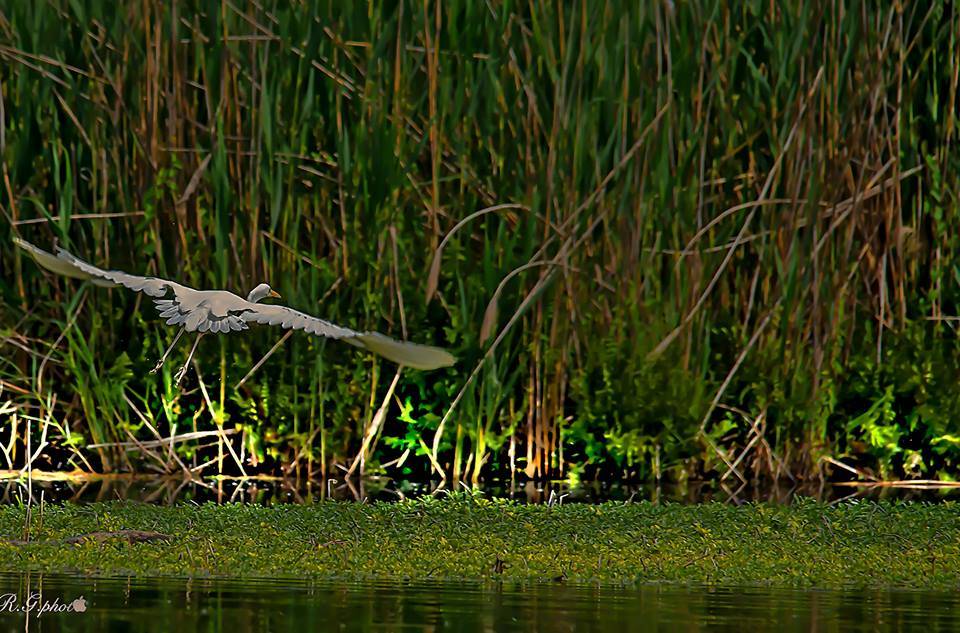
196,311
291,319
64,263
401,352
219,311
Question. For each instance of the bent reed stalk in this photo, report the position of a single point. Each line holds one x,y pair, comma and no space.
715,247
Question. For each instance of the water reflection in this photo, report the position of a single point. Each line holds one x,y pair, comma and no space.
170,490
271,605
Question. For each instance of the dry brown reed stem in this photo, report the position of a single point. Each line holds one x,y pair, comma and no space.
541,283
165,441
850,469
29,467
63,333
197,121
918,484
263,359
160,441
491,311
77,216
433,275
374,427
743,229
162,465
733,370
217,420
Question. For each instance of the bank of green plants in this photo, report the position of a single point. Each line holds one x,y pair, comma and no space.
715,239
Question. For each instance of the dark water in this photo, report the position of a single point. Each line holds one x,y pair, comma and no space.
216,606
259,491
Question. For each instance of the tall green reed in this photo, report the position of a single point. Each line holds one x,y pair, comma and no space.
726,232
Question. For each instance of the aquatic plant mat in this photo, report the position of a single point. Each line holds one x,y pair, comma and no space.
852,544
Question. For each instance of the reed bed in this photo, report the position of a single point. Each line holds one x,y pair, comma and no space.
665,240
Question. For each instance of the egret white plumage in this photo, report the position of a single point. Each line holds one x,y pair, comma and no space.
220,311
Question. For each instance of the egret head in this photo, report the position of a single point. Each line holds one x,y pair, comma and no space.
261,291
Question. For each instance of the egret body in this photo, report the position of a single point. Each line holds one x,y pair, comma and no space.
221,311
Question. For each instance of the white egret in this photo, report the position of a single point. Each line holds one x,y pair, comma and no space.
220,311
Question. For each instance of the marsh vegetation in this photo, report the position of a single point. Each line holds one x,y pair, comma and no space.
466,537
666,240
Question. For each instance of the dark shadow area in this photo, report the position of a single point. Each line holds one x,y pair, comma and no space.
172,490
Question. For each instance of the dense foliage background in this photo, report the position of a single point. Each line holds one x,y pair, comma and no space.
664,239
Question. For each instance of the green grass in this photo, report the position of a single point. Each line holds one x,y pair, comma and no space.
807,544
721,231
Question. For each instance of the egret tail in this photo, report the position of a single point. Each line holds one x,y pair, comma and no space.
403,353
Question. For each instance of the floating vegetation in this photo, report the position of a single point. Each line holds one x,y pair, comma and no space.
462,536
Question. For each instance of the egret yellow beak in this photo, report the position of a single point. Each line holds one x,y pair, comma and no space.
274,293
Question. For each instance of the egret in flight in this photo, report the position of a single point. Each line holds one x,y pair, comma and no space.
219,312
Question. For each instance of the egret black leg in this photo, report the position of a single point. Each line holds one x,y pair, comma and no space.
183,370
167,353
